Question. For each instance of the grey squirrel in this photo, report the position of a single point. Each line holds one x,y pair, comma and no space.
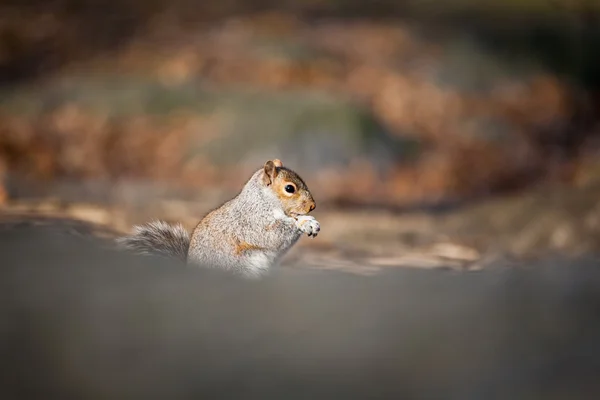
247,235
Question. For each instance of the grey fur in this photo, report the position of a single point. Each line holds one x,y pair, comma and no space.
158,238
247,235
244,218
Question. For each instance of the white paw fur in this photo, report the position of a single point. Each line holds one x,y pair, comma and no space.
308,224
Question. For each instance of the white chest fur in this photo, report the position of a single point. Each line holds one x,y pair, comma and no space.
279,214
258,263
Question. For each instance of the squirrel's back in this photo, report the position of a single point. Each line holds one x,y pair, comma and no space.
158,238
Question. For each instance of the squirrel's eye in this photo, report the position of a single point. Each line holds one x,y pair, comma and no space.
290,188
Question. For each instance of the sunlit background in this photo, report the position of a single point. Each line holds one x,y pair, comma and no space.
459,132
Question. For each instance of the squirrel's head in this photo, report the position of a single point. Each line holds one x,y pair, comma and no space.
289,188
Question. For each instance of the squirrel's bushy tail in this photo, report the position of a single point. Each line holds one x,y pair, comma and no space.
158,238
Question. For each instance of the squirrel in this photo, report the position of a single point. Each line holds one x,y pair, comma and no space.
247,235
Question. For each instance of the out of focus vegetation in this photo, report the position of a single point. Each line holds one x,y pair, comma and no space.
387,102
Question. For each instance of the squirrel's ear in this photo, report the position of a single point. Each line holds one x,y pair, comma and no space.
278,163
269,172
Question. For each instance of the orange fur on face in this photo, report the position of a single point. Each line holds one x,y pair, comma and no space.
301,201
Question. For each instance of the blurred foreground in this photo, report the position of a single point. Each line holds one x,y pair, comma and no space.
81,322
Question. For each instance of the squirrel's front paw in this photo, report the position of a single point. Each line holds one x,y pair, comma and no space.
308,225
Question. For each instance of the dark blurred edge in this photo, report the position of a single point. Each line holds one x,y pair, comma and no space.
82,322
561,34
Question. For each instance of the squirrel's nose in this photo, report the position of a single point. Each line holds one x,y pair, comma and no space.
312,206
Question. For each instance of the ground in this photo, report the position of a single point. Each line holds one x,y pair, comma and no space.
507,230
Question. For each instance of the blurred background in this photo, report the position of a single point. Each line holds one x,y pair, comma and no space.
459,133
